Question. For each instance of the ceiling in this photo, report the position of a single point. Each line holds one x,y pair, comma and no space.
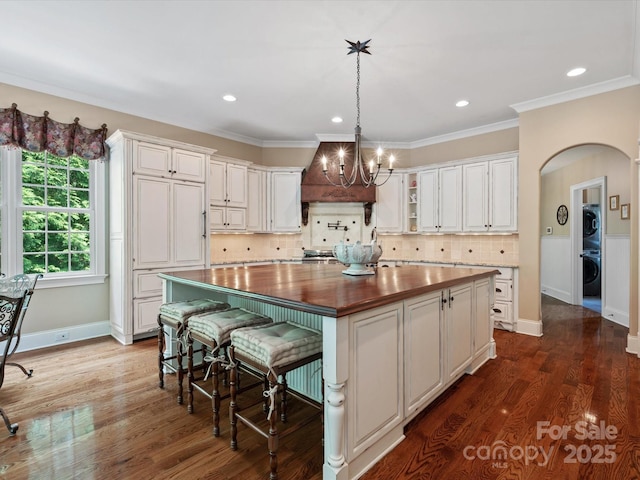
287,64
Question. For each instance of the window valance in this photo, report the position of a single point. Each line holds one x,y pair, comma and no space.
38,134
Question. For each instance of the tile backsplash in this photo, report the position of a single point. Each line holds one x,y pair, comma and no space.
468,249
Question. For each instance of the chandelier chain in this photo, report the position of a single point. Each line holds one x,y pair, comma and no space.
358,91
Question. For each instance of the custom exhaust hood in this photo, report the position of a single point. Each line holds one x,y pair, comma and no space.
316,188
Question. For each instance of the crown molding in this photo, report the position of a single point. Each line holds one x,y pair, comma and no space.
470,132
576,94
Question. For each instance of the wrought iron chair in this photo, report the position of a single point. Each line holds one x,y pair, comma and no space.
28,284
12,299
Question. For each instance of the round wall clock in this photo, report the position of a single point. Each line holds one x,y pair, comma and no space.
562,214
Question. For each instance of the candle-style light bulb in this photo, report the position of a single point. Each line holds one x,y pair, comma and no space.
371,167
391,160
379,152
324,163
341,155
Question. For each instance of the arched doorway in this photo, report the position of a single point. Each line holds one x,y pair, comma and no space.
574,267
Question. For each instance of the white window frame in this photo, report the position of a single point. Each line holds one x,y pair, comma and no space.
11,210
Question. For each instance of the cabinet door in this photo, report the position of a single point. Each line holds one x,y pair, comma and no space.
256,201
236,219
188,224
285,202
428,206
152,219
503,197
450,199
388,207
236,186
217,183
484,324
217,218
475,197
189,166
459,322
423,350
151,159
145,315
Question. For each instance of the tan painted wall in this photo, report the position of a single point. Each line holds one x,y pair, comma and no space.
485,144
555,189
610,119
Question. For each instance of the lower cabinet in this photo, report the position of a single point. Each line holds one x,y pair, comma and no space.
446,334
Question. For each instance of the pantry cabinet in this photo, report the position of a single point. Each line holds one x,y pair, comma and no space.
158,221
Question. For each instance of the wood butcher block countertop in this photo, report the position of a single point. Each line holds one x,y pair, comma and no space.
323,289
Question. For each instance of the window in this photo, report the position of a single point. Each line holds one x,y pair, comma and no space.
56,208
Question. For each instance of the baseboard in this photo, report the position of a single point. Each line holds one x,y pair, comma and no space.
616,316
632,344
60,336
529,327
555,293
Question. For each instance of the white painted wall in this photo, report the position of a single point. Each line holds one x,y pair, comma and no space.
555,267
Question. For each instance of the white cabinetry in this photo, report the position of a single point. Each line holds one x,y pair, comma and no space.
228,194
446,333
256,200
505,307
490,199
285,212
440,197
390,199
157,223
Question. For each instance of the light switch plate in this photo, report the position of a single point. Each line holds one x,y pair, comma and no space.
549,230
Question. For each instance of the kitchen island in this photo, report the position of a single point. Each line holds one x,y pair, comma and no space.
392,342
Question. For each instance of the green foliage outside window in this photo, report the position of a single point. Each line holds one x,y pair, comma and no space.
55,218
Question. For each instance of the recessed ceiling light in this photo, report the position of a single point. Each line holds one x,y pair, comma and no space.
462,103
229,98
336,119
576,71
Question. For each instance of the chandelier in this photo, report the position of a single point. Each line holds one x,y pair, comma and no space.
368,175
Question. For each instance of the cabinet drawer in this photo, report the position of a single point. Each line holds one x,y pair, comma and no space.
502,312
505,273
146,284
504,290
145,314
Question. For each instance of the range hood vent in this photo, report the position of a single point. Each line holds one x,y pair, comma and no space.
316,188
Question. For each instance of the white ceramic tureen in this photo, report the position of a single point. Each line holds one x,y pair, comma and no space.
357,255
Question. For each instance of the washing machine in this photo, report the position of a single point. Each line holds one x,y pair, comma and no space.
591,273
591,227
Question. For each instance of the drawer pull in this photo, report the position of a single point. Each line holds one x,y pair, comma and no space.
497,310
498,290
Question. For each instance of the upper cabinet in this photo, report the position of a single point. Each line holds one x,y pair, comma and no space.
285,214
228,194
390,199
256,200
490,195
227,183
440,193
167,162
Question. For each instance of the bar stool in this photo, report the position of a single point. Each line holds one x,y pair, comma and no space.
274,350
174,315
213,331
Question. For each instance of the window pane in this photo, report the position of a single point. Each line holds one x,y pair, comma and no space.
33,242
77,162
80,262
57,177
54,160
80,242
33,220
32,174
80,222
33,157
57,262
56,197
58,242
33,264
79,198
33,196
57,221
79,178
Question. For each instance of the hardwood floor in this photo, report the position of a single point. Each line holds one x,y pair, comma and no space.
94,411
